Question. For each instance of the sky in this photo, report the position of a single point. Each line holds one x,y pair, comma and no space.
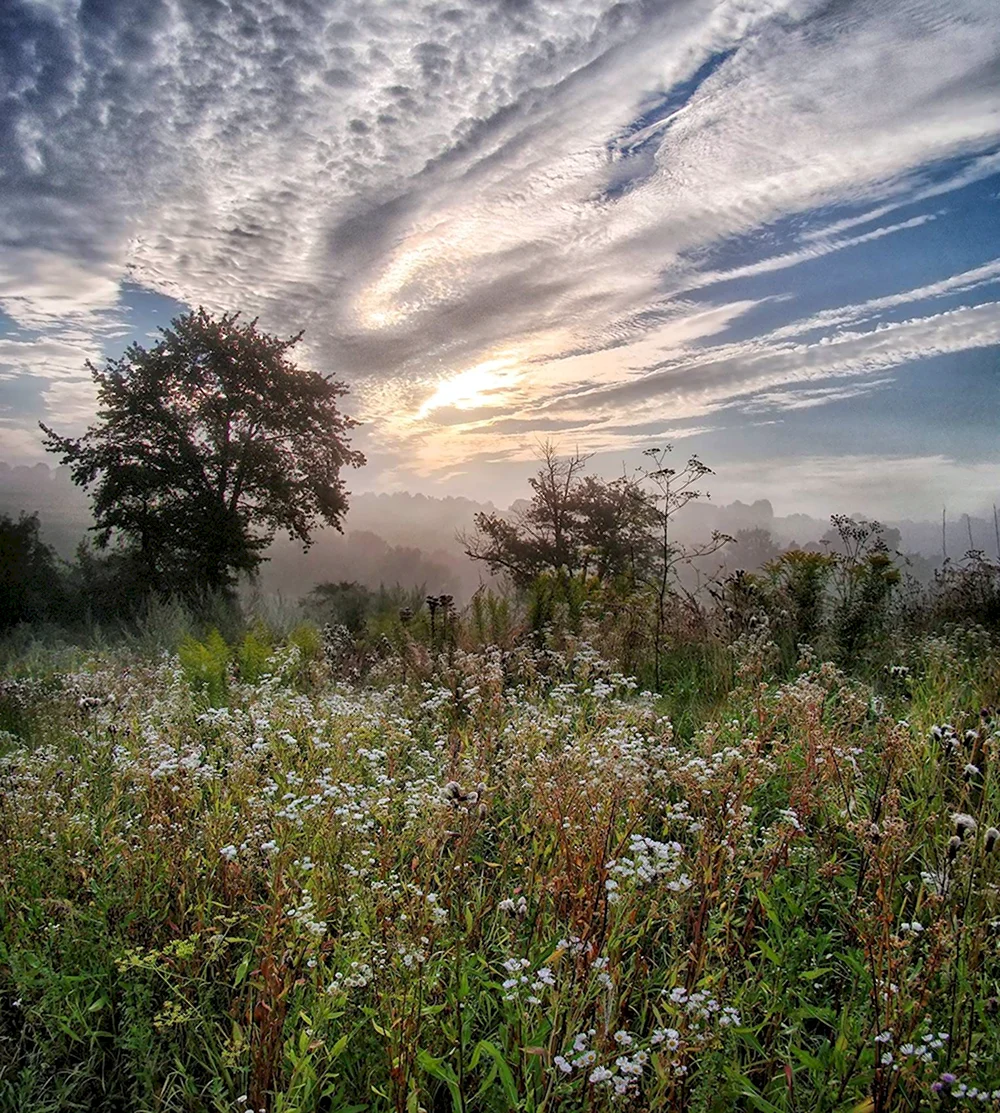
764,231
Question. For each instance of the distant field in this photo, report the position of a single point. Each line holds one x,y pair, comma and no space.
511,886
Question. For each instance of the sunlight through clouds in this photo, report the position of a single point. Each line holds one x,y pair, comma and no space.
503,221
482,385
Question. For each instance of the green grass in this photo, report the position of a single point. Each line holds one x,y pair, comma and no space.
512,883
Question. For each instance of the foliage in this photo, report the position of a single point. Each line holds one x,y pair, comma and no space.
356,607
751,549
346,603
966,591
556,601
205,665
105,588
674,489
31,587
800,581
206,444
572,522
253,655
866,575
841,599
492,618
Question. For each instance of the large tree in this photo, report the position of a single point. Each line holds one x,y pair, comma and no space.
206,444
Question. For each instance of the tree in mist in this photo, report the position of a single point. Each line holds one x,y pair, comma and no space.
30,579
750,549
572,522
207,444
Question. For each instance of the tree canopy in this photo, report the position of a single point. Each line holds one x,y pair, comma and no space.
30,587
207,444
573,522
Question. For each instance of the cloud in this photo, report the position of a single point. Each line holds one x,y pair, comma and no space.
70,402
811,250
560,185
810,398
46,357
19,445
44,289
962,283
726,372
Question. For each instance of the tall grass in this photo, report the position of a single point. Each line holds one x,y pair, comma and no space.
230,881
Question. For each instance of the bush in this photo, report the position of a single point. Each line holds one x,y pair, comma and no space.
253,655
206,666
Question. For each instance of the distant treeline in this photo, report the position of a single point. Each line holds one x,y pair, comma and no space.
413,539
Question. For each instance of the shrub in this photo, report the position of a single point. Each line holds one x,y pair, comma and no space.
206,666
253,654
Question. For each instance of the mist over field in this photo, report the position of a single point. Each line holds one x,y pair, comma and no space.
413,540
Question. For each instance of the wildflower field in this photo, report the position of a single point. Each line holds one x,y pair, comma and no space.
230,880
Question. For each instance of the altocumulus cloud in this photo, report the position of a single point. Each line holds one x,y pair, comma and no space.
503,219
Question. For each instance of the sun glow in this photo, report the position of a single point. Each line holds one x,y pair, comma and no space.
485,384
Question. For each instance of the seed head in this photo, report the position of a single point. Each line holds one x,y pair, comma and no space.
992,835
964,824
954,845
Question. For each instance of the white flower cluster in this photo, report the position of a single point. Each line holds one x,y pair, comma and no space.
621,1076
304,914
648,861
359,974
519,981
622,1069
700,1007
922,1051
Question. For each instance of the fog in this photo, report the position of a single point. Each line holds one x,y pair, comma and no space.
414,540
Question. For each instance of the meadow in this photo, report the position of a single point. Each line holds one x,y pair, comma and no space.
498,877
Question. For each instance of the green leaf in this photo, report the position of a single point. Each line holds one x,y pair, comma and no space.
769,953
816,972
242,970
751,1093
808,1060
507,1083
439,1069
